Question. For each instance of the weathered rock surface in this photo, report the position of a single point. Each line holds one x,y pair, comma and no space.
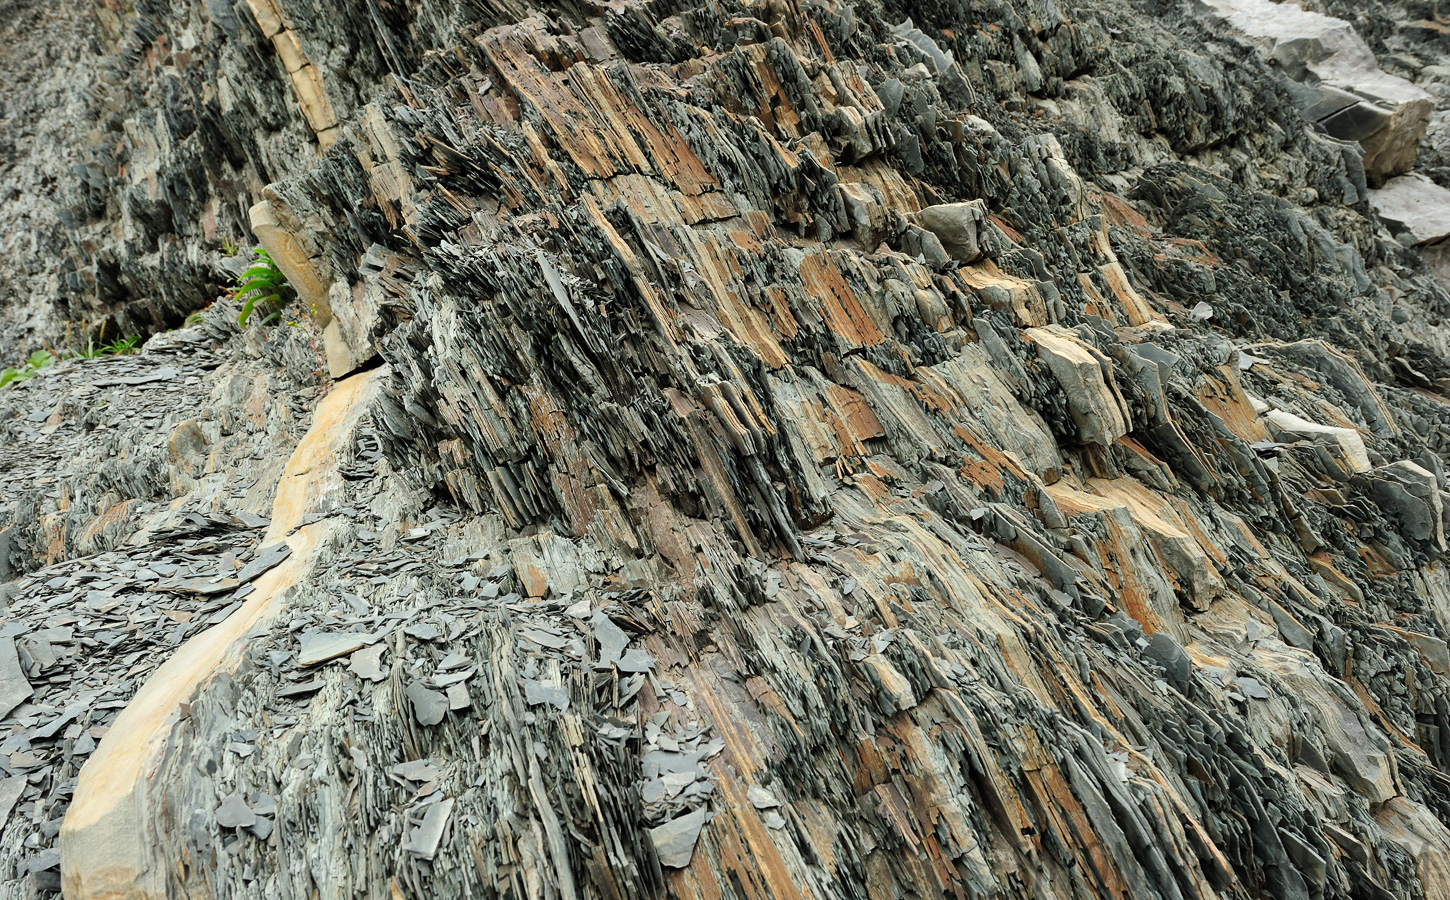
1342,89
978,449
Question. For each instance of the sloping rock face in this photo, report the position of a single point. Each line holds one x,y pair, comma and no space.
1343,89
978,449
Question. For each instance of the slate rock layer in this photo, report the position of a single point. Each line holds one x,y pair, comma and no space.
974,449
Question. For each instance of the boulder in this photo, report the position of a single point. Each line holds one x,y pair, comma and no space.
1289,427
1417,210
1410,496
955,225
1086,376
1415,207
1341,86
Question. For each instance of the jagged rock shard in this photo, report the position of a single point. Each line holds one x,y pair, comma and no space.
423,841
761,798
429,706
319,647
14,686
263,561
1086,377
235,813
10,790
612,639
417,770
367,663
537,694
675,840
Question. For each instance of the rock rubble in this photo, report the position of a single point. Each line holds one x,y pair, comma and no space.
740,450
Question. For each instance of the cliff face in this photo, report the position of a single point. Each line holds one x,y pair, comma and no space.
726,450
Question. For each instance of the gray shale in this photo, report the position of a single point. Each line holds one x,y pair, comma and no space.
966,448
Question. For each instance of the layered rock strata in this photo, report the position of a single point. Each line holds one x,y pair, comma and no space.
816,450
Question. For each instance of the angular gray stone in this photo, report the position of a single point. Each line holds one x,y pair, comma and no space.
423,841
675,840
429,706
320,646
263,561
956,227
14,686
235,813
1169,654
612,639
367,663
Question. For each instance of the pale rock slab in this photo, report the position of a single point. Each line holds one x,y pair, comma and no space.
1344,89
1086,377
106,849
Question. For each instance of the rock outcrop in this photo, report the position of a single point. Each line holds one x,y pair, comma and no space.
1340,86
984,449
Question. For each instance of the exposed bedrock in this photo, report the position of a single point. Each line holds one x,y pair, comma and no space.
972,449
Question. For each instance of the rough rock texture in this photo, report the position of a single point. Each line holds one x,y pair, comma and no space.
1341,87
969,448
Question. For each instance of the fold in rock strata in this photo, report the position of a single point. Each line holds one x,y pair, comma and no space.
725,450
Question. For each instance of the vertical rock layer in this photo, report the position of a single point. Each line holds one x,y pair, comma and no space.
823,450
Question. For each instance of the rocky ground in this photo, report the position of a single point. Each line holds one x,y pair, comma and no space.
728,450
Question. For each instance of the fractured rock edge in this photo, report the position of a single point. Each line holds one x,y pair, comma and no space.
104,839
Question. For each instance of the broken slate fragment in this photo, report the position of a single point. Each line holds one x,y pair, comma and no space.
423,841
537,693
235,813
298,690
10,790
165,373
1252,687
612,639
428,705
367,663
760,798
319,647
675,840
14,687
424,631
204,587
543,638
636,660
454,661
417,770
458,697
263,561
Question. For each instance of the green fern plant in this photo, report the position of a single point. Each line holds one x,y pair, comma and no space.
92,350
264,284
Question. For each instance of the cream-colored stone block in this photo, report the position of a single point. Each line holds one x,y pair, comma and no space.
303,273
105,839
290,49
313,98
268,14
